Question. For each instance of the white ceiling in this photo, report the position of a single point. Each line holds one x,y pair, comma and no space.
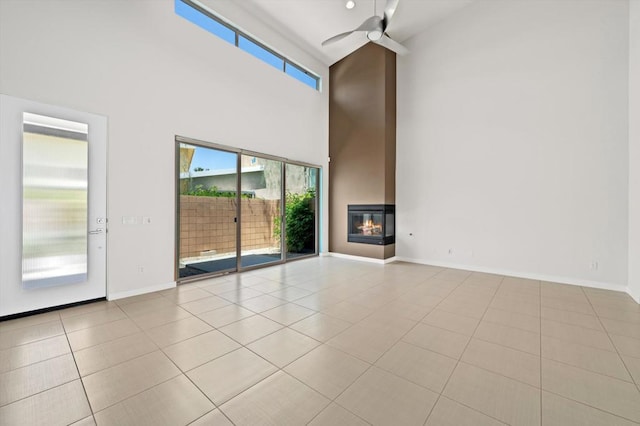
309,22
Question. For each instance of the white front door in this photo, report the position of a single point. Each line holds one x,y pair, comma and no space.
53,224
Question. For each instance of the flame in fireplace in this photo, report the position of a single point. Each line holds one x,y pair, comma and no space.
370,228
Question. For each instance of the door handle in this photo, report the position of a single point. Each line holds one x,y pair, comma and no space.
96,231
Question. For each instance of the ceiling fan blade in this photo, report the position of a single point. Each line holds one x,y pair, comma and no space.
369,24
392,45
337,38
389,11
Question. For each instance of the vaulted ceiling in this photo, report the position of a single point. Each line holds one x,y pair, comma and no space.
309,22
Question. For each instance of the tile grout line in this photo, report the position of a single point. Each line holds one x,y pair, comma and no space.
75,362
44,390
592,407
159,348
278,369
247,348
463,351
40,392
208,412
497,374
351,296
540,359
138,393
589,371
33,341
352,356
613,344
182,373
470,408
242,346
333,401
576,343
563,363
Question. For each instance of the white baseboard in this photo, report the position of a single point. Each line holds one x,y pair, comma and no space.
529,275
635,295
139,291
362,258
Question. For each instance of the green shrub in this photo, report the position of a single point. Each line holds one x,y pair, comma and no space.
201,191
300,221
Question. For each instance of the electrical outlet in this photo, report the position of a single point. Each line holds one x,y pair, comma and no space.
146,220
593,266
450,252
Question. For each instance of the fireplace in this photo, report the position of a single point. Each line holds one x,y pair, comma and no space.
372,224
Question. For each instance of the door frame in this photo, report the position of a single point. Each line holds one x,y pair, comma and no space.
14,298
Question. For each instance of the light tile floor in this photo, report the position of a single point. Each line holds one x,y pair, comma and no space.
327,341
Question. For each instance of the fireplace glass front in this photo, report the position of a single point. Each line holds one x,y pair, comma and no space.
371,224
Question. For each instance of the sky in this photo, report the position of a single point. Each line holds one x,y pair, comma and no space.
212,159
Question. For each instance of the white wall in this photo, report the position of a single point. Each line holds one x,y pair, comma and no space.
512,141
156,75
634,149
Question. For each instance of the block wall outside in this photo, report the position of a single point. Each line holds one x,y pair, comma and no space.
207,223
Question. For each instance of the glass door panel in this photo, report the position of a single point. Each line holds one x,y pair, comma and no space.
300,210
260,211
55,201
207,187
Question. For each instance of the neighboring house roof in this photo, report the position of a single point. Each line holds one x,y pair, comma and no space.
220,172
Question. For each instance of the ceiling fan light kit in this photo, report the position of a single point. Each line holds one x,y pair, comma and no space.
374,35
375,27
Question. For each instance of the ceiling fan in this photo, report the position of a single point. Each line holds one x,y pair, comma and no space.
375,27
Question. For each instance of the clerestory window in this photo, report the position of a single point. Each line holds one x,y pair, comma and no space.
205,19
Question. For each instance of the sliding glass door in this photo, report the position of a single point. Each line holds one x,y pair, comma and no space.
208,205
260,211
239,210
301,210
